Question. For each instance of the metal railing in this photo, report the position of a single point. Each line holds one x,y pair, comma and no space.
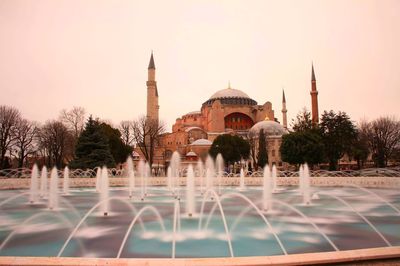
113,172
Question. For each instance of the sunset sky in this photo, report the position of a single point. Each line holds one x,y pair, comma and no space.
94,54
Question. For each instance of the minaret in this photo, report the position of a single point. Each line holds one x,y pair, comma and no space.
314,97
152,92
284,110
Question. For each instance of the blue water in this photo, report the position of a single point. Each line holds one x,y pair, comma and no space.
37,231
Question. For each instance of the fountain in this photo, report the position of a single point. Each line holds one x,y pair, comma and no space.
175,165
306,185
66,181
190,196
210,173
131,176
147,172
104,191
53,193
242,185
267,194
169,178
215,222
301,179
98,179
34,185
274,180
220,168
200,175
142,169
43,182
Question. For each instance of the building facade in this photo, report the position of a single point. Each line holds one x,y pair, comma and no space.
227,111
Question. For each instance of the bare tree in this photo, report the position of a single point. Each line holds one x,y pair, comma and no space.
74,120
26,134
146,134
55,140
9,118
126,129
383,136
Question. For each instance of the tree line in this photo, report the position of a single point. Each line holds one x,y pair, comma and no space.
337,136
57,142
84,142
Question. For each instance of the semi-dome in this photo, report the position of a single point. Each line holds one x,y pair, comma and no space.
191,154
201,142
271,128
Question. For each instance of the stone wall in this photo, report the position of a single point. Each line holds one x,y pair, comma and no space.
371,182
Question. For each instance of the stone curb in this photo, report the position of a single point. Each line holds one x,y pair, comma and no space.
371,182
352,256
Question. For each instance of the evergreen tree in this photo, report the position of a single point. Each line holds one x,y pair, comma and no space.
303,122
92,149
119,150
302,147
232,148
262,157
338,135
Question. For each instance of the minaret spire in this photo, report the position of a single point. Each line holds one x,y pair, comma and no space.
314,97
151,63
152,92
312,72
283,96
284,110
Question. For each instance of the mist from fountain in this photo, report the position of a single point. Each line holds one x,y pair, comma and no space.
175,163
200,174
306,185
141,168
242,185
147,173
253,206
274,180
308,220
210,173
104,191
361,216
136,218
131,176
98,179
262,206
22,225
375,195
66,181
169,178
43,182
301,179
220,168
174,225
190,192
218,202
34,187
267,194
88,213
53,193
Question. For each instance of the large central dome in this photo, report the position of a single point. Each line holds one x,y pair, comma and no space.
229,93
231,97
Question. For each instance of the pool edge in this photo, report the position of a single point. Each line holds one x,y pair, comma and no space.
320,258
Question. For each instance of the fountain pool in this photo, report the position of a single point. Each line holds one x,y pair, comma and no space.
233,223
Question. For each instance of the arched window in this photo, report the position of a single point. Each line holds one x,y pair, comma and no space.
238,121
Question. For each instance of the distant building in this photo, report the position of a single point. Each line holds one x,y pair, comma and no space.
227,111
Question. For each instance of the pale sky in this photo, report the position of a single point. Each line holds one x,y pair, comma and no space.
58,54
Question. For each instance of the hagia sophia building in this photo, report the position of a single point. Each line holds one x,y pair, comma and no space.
227,111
